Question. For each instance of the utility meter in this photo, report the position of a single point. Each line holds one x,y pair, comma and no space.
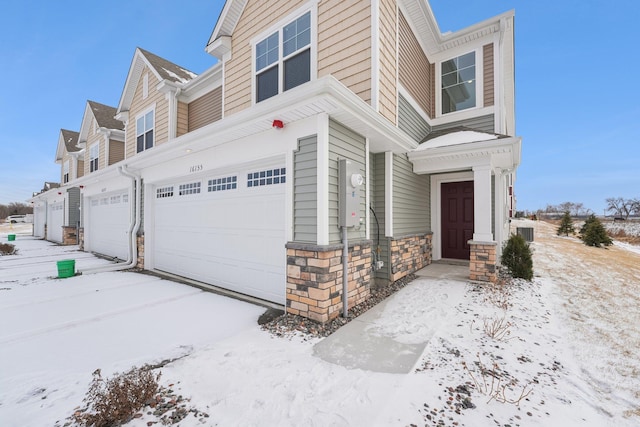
349,183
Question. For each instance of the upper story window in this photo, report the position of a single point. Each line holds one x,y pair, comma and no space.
65,172
144,132
459,83
94,154
283,59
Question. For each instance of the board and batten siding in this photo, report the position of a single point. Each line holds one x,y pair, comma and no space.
344,44
182,122
256,17
305,191
140,105
483,123
344,144
411,122
73,204
206,109
80,170
116,151
411,203
415,73
488,74
388,73
377,203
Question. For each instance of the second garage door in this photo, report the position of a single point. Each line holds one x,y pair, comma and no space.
108,226
227,230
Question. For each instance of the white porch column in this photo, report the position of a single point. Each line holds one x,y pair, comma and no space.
482,204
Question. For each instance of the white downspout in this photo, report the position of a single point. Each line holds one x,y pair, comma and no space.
132,257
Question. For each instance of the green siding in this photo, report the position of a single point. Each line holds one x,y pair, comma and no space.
305,191
411,199
377,201
344,144
411,122
483,123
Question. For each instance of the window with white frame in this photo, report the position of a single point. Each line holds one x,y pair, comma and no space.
94,153
144,131
65,172
458,82
283,59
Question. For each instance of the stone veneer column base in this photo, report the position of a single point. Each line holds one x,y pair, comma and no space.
482,262
314,279
140,243
409,254
81,238
69,235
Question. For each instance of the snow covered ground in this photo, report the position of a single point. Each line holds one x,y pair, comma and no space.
560,353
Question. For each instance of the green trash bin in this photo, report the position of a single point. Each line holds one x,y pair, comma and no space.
11,237
66,268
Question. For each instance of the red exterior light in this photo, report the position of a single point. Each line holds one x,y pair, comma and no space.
278,124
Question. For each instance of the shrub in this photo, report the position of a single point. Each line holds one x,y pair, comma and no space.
7,249
566,225
593,233
516,257
114,401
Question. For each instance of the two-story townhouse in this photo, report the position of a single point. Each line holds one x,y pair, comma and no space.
233,176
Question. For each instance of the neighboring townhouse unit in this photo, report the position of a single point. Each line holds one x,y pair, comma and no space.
232,178
101,137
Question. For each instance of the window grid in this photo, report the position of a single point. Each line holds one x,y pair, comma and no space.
164,192
221,184
266,177
190,188
115,199
95,202
104,201
125,198
458,83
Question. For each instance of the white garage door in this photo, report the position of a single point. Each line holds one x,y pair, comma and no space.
39,219
108,225
225,230
55,219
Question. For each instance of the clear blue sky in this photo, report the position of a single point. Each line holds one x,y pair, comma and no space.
577,93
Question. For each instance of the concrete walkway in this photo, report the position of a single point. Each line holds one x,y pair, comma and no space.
392,336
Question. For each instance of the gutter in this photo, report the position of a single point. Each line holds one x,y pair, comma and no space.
132,257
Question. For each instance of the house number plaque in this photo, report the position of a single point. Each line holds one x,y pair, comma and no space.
195,168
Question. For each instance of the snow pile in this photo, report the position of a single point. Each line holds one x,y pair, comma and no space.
630,228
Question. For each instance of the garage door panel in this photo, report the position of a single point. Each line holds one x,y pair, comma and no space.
232,239
55,222
108,227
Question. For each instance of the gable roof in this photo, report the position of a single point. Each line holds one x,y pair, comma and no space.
163,70
67,140
104,116
227,20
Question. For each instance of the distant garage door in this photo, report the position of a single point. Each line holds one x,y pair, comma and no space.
226,230
108,226
55,220
39,220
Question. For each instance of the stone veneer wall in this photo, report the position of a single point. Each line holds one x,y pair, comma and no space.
409,254
482,262
314,279
140,243
69,235
81,238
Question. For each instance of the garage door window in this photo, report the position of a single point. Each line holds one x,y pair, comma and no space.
221,184
164,192
190,188
266,177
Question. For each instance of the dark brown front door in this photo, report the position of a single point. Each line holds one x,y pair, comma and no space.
457,219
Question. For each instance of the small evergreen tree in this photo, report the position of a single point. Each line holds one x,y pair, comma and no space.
593,233
516,256
566,225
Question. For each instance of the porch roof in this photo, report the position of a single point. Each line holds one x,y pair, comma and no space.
463,148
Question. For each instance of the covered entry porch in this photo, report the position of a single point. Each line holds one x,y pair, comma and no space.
481,166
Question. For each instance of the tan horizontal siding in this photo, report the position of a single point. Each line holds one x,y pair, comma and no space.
139,105
388,100
257,17
488,73
183,119
206,109
344,44
116,151
416,74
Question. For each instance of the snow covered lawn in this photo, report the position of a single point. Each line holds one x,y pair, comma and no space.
487,356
